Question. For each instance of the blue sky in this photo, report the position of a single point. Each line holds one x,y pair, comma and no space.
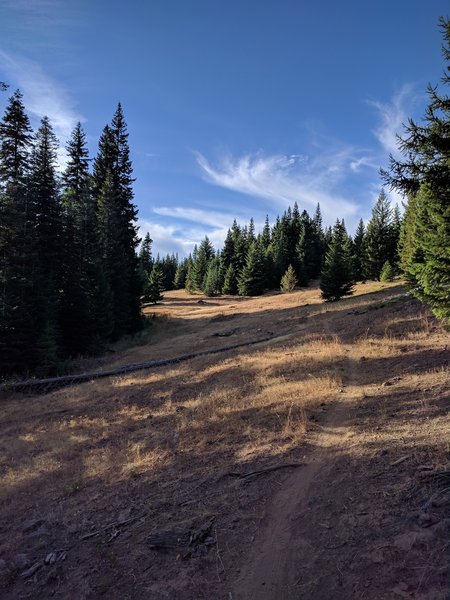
235,108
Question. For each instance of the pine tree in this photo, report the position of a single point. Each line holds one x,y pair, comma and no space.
145,255
47,240
306,251
379,246
411,255
336,278
318,244
265,235
168,265
387,272
424,177
212,285
117,215
251,231
288,281
359,249
280,248
179,281
190,282
251,281
204,255
17,336
230,284
81,265
154,286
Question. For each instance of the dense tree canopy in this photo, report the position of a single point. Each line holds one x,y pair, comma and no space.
69,280
423,176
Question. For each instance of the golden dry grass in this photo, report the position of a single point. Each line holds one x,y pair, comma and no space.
153,438
246,405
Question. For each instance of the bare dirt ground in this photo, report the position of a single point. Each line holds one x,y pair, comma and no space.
141,486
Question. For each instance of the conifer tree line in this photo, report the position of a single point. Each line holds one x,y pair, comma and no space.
69,274
294,251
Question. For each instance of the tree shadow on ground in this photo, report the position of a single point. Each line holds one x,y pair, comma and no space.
86,458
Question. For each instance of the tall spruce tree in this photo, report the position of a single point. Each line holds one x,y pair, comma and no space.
17,337
86,298
203,257
251,281
307,258
117,215
230,283
423,175
74,308
179,281
213,284
337,278
145,255
379,238
154,285
359,250
47,243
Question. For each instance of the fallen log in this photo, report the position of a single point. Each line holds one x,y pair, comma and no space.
51,383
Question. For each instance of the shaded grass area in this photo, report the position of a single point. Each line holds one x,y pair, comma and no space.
161,444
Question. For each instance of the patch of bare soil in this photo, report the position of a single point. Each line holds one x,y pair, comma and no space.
312,466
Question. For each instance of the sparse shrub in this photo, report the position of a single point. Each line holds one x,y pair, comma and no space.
387,272
288,281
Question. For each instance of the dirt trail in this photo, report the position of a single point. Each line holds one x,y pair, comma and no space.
274,568
271,572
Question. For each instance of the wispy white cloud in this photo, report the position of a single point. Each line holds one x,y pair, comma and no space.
43,96
392,115
179,238
364,161
209,218
284,180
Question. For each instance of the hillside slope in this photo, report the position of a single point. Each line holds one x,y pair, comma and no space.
141,486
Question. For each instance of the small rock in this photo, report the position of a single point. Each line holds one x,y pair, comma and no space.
50,558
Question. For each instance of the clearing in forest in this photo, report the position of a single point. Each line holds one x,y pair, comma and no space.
313,465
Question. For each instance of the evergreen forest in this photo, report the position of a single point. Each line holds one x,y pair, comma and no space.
74,273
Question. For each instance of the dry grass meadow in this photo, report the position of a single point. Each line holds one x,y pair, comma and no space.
89,472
